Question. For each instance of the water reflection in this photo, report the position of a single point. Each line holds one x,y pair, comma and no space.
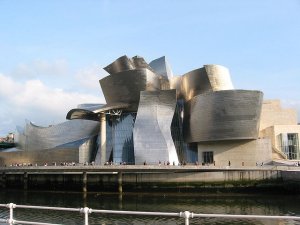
228,204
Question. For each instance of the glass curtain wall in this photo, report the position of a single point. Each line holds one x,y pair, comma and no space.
187,152
120,138
289,144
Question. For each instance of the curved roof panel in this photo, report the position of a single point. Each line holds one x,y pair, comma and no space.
125,87
92,114
38,138
206,79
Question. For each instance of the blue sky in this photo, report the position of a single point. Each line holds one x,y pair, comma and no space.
52,52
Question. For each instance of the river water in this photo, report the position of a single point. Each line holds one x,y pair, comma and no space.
258,204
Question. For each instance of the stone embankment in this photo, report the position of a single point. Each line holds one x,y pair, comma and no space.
148,178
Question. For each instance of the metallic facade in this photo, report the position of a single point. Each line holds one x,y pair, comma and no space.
70,132
219,77
162,67
151,115
124,63
152,130
206,79
223,115
93,113
125,86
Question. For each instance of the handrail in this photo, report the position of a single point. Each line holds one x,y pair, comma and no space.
246,216
135,213
48,207
86,211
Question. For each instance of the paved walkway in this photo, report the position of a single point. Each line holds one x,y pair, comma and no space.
139,168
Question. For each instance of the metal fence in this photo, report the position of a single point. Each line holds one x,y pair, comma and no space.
186,215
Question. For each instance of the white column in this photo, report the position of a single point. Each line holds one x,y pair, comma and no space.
103,139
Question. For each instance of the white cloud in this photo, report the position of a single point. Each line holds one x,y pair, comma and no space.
37,102
40,67
89,77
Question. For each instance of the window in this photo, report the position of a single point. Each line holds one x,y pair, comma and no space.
208,157
290,145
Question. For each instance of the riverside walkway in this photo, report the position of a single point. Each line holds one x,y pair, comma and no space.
138,168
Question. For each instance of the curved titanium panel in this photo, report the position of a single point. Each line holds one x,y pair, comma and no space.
162,67
194,83
92,113
219,77
140,63
175,83
121,64
112,106
223,115
152,130
38,138
81,114
126,86
90,106
124,63
206,79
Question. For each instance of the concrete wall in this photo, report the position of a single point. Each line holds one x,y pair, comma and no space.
168,181
291,175
194,177
237,152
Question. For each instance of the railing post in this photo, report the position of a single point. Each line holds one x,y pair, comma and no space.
11,207
186,215
84,182
25,181
3,180
86,212
120,180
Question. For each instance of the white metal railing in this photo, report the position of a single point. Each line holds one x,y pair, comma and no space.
86,211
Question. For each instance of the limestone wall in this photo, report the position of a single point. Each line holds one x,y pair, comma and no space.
272,114
239,153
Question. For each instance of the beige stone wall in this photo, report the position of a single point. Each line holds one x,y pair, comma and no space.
268,133
276,120
237,152
272,114
273,133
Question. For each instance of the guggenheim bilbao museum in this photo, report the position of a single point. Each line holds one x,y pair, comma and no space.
153,117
